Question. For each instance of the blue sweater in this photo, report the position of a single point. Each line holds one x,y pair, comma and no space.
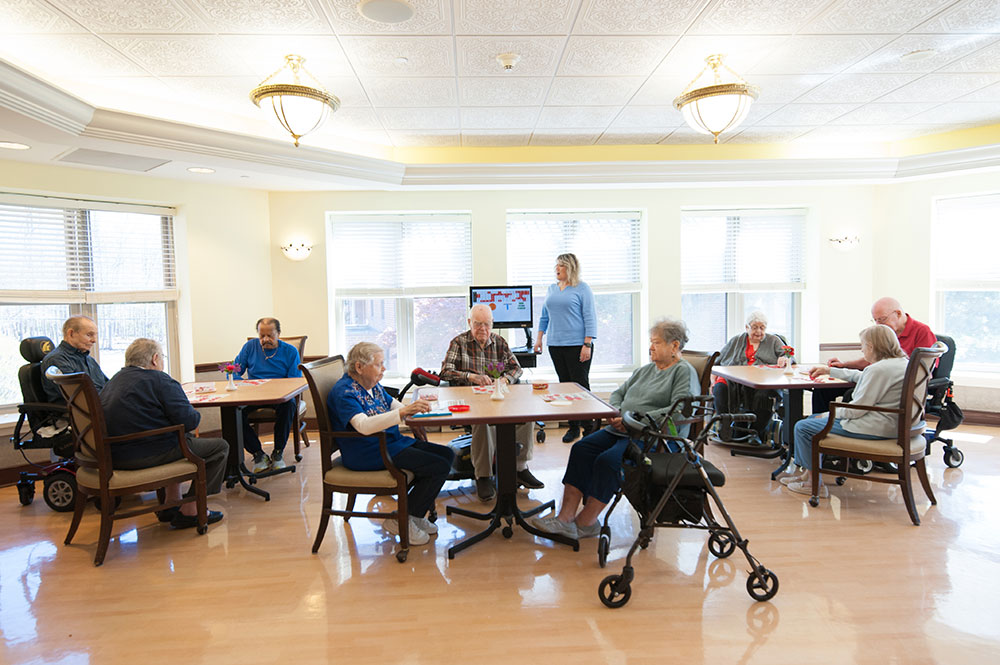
570,314
70,360
260,363
138,399
347,399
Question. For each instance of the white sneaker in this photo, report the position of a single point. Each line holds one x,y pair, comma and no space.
276,461
261,463
417,535
427,526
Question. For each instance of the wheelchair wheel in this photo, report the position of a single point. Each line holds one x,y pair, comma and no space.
401,555
603,546
60,491
953,458
721,544
25,492
864,466
540,436
614,591
765,589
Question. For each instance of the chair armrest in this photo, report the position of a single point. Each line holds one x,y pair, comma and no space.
864,407
326,445
42,407
145,433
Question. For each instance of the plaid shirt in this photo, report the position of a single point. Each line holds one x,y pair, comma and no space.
466,356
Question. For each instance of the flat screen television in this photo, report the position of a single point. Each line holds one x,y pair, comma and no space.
511,305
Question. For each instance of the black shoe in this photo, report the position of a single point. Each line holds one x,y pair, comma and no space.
572,434
589,427
167,514
486,489
182,521
527,480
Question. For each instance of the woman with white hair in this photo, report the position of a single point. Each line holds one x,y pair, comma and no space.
756,346
878,384
569,318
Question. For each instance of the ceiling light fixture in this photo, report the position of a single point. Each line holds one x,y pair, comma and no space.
200,169
299,108
11,145
385,11
716,105
508,60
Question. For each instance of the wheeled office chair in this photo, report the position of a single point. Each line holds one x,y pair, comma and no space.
941,405
47,427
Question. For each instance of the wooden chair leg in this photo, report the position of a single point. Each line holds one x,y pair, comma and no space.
324,517
78,506
925,481
104,539
201,501
350,505
161,494
907,487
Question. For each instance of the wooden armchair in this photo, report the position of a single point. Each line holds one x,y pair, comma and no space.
265,415
95,476
321,376
906,450
703,364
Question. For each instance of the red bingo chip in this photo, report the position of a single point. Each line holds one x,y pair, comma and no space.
456,408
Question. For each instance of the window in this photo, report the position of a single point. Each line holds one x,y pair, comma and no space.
607,244
114,264
400,281
967,278
736,261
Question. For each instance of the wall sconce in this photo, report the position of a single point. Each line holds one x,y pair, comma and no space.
846,242
296,251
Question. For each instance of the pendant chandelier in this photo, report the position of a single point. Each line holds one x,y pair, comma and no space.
712,105
299,108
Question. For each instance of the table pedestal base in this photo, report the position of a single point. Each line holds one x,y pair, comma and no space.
236,470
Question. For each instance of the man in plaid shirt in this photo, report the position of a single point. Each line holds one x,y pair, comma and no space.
465,365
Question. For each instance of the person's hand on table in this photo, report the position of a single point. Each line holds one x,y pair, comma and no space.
479,379
834,362
617,423
818,370
417,406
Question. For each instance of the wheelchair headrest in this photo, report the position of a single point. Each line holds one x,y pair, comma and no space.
33,349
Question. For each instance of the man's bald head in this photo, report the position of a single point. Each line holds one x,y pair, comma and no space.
889,312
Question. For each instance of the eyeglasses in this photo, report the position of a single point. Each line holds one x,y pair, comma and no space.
882,319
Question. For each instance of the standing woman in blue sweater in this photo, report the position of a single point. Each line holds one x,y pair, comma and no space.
568,316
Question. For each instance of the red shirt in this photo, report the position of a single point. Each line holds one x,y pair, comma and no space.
916,335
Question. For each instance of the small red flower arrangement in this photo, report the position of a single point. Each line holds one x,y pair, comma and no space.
230,368
787,352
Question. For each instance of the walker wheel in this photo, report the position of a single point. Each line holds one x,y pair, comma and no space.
614,591
603,547
401,555
864,466
814,501
721,544
764,588
25,492
540,436
60,491
298,458
841,480
953,458
507,532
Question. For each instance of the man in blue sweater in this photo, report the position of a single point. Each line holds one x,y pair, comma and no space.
73,355
143,397
267,357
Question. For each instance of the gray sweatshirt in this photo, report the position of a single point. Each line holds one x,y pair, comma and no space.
880,384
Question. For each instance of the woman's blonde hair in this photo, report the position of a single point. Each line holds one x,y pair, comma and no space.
883,341
364,353
572,265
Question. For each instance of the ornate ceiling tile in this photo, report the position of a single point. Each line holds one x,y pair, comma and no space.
859,88
939,49
660,117
561,117
502,91
660,91
481,138
975,113
430,17
966,16
556,137
882,114
941,87
182,55
856,134
33,16
66,58
520,117
686,136
511,17
783,89
766,135
987,94
262,16
631,138
359,118
742,52
477,56
419,118
400,56
592,90
411,92
210,92
819,54
765,17
887,16
794,115
986,60
132,15
644,17
614,56
263,54
758,112
421,139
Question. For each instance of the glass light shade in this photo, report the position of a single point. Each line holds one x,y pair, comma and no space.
299,109
717,113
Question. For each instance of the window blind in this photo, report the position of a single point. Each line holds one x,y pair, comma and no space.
607,245
386,255
744,250
966,237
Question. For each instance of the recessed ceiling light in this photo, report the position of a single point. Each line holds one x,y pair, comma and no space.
385,11
919,54
200,169
11,145
402,60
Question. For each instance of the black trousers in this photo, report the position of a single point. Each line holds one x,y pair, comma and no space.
566,360
430,464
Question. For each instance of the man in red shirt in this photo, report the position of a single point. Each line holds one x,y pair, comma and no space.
912,334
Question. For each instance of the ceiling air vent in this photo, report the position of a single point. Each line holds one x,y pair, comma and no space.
112,160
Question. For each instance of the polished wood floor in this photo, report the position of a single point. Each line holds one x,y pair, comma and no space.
858,582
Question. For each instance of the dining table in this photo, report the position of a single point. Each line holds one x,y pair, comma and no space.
470,405
233,405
